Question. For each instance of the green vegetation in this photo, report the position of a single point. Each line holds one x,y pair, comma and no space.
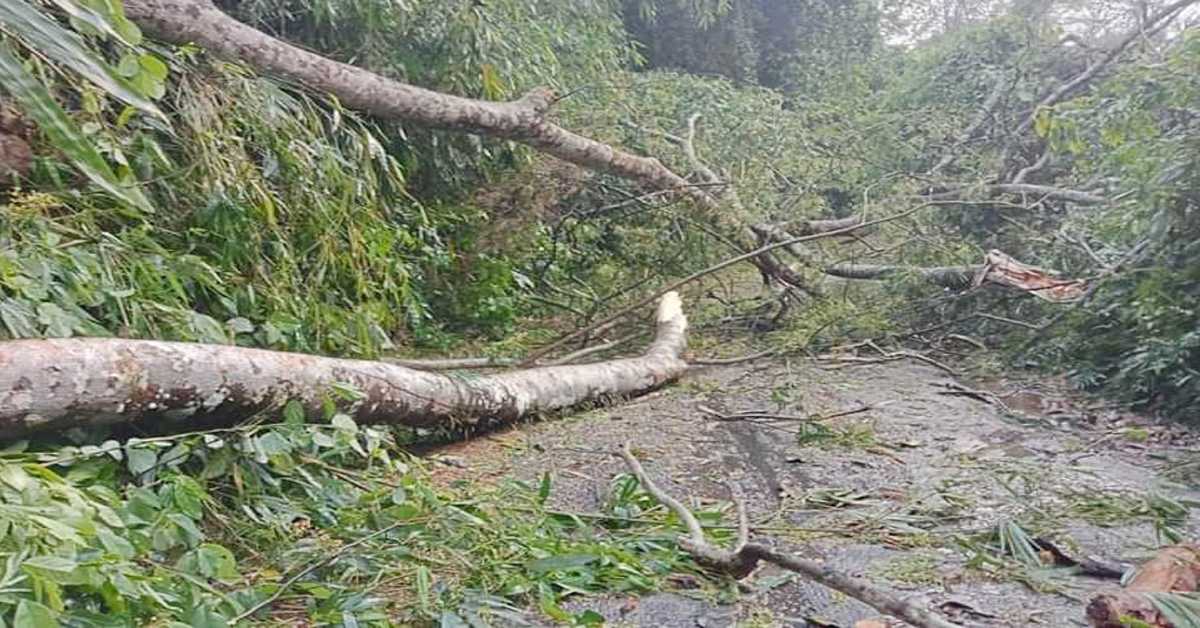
200,529
173,195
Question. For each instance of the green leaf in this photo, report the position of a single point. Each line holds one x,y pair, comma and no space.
140,459
344,423
59,324
347,391
207,329
293,413
188,496
115,26
563,562
62,132
544,489
128,66
210,561
153,67
18,318
204,617
55,569
240,325
108,515
15,476
62,46
57,529
115,543
191,534
30,614
272,444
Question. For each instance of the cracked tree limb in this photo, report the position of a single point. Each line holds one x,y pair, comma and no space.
524,120
57,384
1045,191
746,556
956,277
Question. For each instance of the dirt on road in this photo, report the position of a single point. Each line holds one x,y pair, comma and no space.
896,472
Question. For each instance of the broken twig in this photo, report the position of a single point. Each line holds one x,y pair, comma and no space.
746,556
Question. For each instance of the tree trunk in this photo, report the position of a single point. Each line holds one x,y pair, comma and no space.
58,384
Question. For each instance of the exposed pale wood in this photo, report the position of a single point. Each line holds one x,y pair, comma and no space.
56,384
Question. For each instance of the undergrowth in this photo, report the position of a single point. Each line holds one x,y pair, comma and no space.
329,523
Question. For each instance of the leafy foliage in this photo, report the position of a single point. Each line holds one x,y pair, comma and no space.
285,221
198,529
798,47
1139,337
177,196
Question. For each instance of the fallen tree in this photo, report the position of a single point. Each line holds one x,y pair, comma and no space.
57,384
998,269
524,120
945,276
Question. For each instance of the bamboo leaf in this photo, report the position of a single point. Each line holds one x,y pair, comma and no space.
64,134
30,614
1181,609
63,46
115,26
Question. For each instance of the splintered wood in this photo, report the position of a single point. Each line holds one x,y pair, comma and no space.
1175,569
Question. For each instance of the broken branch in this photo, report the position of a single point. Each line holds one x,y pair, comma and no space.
56,384
746,556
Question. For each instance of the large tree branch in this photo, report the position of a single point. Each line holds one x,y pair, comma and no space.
523,120
956,277
63,383
998,268
675,285
201,22
1045,191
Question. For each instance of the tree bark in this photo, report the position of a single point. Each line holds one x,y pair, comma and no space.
58,384
946,276
1063,194
524,120
1151,25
